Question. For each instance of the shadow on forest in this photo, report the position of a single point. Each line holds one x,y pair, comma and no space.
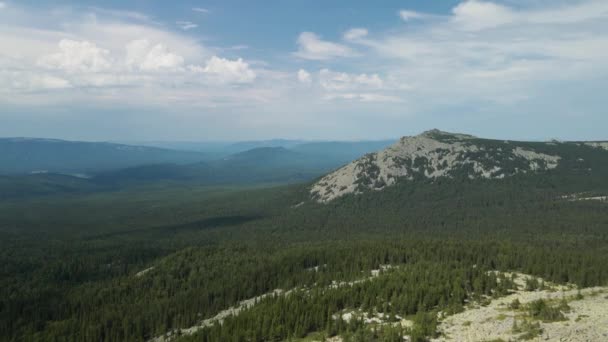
208,223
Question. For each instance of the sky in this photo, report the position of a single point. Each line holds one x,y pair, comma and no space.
317,70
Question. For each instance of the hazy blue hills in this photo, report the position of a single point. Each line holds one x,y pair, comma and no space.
27,155
258,165
56,166
342,150
34,166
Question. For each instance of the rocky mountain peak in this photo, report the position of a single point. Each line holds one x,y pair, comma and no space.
439,134
432,154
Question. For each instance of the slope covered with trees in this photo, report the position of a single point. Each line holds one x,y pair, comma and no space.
72,266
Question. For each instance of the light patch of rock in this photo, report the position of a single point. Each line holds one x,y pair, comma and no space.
535,158
248,303
586,321
143,272
219,318
583,197
297,205
602,144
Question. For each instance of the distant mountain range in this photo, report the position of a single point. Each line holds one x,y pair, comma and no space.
33,155
45,166
258,165
344,150
29,155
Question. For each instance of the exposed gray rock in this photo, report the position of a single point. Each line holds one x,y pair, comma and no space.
432,154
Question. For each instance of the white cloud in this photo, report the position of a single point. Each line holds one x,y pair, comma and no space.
474,15
77,56
48,82
108,58
580,12
304,76
120,14
186,25
142,55
491,53
477,15
115,35
227,71
200,10
483,54
2,5
362,97
310,46
331,80
238,47
30,82
355,33
407,15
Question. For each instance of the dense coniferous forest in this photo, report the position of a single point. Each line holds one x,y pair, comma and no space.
135,264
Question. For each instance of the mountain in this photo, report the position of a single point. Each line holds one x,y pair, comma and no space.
216,149
271,164
435,154
242,146
262,154
258,165
26,155
341,152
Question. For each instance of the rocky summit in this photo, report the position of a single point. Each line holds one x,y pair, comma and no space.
434,154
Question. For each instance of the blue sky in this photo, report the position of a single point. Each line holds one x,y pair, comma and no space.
241,70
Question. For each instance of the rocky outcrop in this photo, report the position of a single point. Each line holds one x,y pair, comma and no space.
430,155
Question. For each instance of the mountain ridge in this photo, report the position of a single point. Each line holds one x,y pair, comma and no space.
438,154
26,155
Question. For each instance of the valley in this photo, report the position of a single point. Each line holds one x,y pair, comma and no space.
419,258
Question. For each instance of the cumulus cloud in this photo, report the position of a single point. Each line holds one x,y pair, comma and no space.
227,71
143,55
77,56
186,25
94,56
481,54
355,33
311,46
304,76
478,15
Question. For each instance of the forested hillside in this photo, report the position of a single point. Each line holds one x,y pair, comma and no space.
139,264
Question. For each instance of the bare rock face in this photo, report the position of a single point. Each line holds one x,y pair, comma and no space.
431,155
598,144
